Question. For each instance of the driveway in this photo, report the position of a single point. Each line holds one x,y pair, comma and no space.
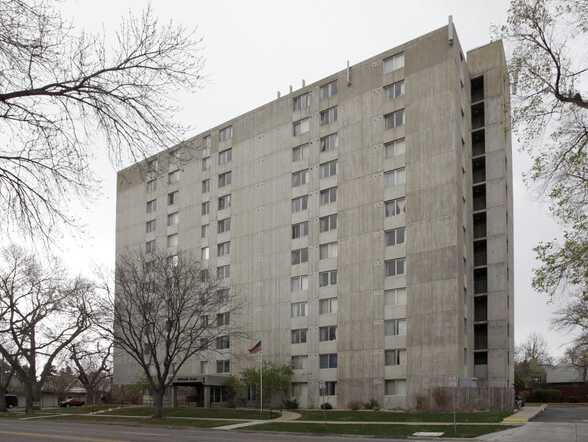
563,413
557,423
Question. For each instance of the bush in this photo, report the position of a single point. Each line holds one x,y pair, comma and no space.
372,404
326,406
354,405
545,395
290,404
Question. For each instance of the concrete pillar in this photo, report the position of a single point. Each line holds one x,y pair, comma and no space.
207,396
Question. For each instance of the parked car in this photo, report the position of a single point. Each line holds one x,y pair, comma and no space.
11,400
72,402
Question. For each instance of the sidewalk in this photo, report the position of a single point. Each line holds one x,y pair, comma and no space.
525,414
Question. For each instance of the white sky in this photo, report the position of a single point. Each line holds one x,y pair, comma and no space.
254,48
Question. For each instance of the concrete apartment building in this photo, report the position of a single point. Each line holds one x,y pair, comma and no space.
363,221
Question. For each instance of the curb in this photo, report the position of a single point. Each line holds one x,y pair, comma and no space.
523,419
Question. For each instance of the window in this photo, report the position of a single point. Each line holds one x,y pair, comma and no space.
173,177
395,296
328,360
330,388
394,62
328,222
172,240
298,309
300,230
328,333
328,196
395,89
300,203
224,202
301,102
150,226
205,186
173,260
328,305
172,198
203,231
151,206
153,165
328,169
151,186
298,362
395,177
205,164
223,366
224,225
173,219
328,90
395,207
394,119
395,236
328,116
394,387
223,249
150,246
394,357
300,153
226,133
327,278
395,148
299,283
329,143
299,256
207,141
223,296
223,272
394,267
203,343
395,327
223,342
299,178
204,276
299,336
328,250
301,127
205,210
224,179
225,156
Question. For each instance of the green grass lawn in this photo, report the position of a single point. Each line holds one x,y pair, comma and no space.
208,413
377,430
165,422
381,416
76,410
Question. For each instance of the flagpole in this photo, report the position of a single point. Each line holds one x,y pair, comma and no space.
261,380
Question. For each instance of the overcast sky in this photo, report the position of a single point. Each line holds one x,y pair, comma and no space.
255,48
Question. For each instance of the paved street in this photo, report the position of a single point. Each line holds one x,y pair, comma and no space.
563,413
43,430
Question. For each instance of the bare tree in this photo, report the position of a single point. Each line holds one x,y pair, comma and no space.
577,356
91,358
64,92
534,349
42,312
166,311
549,70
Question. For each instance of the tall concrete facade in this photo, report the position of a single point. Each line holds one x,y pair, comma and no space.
363,223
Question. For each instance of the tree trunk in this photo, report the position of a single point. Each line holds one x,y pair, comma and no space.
158,403
29,397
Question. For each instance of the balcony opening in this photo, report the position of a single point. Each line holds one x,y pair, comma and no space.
478,116
480,225
480,281
480,336
480,253
480,308
477,89
479,170
481,358
478,142
479,197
